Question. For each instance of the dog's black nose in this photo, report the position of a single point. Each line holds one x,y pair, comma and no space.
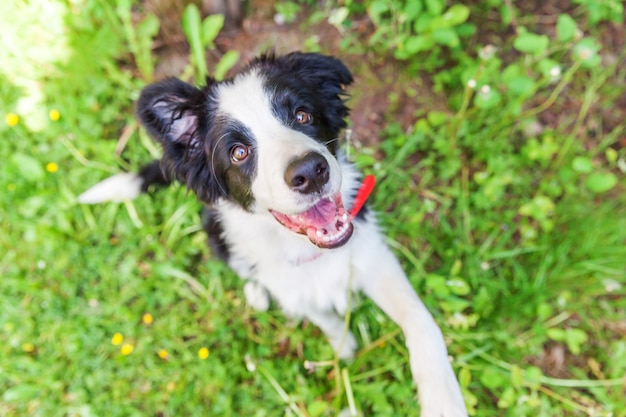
307,174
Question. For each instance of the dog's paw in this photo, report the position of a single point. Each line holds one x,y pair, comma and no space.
345,346
256,296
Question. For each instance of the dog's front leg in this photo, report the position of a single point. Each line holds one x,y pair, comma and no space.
342,340
381,278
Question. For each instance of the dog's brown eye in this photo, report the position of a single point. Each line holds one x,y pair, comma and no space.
303,117
239,153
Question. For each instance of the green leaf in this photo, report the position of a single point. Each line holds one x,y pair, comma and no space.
465,377
558,335
229,60
507,399
446,36
539,208
458,286
423,23
376,11
211,27
547,66
601,182
437,118
192,26
493,378
434,7
317,408
28,167
565,28
575,338
532,377
487,98
582,164
454,305
517,378
521,85
437,284
148,27
21,393
611,155
456,14
412,9
531,43
418,43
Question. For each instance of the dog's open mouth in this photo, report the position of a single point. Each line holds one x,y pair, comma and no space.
327,224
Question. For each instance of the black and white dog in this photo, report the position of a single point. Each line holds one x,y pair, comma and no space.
260,150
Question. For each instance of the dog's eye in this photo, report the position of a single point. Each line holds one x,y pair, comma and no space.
239,153
303,117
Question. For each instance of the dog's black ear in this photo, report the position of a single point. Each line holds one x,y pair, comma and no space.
171,110
317,69
177,115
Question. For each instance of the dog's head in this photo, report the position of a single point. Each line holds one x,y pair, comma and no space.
265,139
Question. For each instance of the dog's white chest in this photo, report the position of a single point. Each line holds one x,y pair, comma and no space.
298,275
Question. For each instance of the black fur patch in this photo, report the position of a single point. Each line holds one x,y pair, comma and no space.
213,228
312,82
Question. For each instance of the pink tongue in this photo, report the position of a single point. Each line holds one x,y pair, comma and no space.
321,214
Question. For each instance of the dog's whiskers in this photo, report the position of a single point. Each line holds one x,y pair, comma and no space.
212,164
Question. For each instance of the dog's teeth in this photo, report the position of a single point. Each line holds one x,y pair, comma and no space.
344,217
319,233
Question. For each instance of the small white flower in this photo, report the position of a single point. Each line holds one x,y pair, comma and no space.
584,53
485,89
250,365
280,19
485,266
555,71
487,52
41,264
471,83
611,285
578,34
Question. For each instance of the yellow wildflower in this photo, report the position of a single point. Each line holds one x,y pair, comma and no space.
147,318
163,354
203,353
52,167
28,347
12,119
117,339
54,115
127,349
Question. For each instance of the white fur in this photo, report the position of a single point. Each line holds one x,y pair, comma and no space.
118,188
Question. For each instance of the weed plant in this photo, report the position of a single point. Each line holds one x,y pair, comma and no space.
512,229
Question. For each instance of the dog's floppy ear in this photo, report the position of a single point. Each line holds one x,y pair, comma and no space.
170,110
318,69
176,115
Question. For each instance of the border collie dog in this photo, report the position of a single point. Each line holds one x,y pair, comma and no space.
260,151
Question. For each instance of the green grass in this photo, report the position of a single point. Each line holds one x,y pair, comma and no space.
512,241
